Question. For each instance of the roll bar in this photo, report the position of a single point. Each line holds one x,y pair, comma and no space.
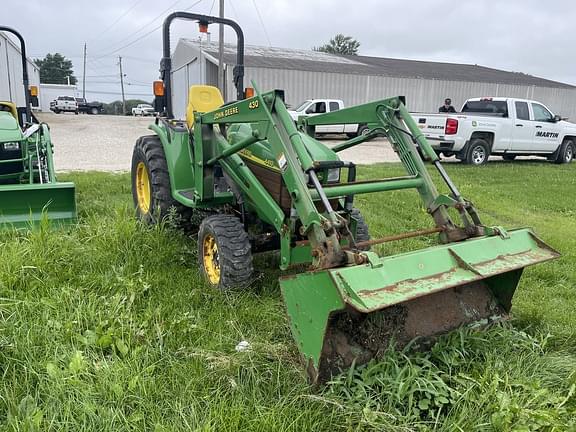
25,80
166,62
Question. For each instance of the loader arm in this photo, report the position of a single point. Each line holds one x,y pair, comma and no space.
391,117
271,122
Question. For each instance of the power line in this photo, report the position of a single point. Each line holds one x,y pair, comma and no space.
262,22
141,59
116,82
95,64
147,33
142,28
103,32
104,77
117,93
233,9
140,82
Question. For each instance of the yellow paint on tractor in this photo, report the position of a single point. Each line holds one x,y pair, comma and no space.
211,263
143,188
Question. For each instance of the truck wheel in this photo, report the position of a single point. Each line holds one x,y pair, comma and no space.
56,111
478,152
566,152
224,252
94,111
151,189
76,112
509,157
362,231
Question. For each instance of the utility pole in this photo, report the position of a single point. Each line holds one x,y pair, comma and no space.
221,52
84,75
122,85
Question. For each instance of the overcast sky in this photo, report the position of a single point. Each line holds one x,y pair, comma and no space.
530,36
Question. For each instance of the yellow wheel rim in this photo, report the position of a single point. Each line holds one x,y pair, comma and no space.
143,188
210,259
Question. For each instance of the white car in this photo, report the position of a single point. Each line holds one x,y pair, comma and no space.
506,127
312,107
143,110
64,104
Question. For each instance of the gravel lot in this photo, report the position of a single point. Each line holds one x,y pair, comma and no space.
104,143
94,142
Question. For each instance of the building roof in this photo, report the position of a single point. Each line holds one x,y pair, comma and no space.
313,61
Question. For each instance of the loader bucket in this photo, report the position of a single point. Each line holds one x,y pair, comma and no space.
350,314
24,205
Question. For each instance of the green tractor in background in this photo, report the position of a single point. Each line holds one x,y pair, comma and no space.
29,190
264,183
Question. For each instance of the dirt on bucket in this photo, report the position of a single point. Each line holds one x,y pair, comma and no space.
354,337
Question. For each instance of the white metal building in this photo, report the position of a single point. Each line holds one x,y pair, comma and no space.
11,87
305,74
49,92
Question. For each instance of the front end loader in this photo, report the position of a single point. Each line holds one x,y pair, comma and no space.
29,190
262,183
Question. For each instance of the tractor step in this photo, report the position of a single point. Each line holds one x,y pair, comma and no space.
25,205
417,294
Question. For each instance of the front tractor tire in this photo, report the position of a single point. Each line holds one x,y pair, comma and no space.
151,189
224,252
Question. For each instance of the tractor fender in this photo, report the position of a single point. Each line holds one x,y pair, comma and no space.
177,150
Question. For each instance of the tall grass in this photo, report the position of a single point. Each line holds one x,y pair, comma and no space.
108,326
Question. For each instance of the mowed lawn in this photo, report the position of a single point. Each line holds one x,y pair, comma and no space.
107,326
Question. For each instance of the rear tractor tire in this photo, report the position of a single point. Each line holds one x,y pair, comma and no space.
478,152
224,252
362,231
566,153
151,189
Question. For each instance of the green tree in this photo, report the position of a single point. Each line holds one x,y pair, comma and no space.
340,44
55,68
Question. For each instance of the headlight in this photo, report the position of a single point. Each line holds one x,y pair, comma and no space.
11,146
333,175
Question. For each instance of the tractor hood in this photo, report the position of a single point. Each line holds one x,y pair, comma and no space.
9,128
261,152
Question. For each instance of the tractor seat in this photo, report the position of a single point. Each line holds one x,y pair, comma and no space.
202,98
9,107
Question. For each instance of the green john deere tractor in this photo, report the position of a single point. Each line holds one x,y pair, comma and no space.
267,184
29,190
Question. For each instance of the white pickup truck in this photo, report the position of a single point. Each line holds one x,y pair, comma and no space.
64,104
143,110
320,106
500,126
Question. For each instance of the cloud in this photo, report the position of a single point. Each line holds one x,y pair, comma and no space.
518,35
